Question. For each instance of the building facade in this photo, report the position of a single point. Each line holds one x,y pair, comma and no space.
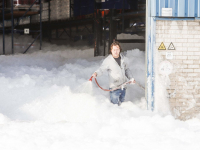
173,56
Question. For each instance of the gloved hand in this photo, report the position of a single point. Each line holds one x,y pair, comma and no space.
132,80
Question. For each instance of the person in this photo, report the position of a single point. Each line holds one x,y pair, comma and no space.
116,66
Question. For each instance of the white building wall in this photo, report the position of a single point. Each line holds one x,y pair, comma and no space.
183,83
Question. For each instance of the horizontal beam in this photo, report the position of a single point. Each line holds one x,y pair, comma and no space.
130,14
131,40
174,18
18,14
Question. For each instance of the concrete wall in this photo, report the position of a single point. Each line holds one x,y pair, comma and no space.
182,84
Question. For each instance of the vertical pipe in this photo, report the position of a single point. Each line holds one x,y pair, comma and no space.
150,46
147,44
12,21
30,20
3,30
49,19
100,29
49,10
31,26
123,17
110,29
104,33
97,34
70,8
93,27
76,28
153,22
40,25
70,32
147,62
57,33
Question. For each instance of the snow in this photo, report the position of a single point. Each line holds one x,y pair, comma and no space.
47,103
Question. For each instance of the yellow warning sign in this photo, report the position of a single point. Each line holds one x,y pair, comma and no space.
171,46
162,46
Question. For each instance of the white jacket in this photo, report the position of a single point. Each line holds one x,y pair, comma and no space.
117,75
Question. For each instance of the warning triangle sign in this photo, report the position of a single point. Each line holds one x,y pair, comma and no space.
171,46
162,46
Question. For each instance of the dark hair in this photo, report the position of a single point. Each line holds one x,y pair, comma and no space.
115,44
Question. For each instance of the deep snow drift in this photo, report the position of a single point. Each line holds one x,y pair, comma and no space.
48,103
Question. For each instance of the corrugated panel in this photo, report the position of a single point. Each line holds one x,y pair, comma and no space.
191,8
153,7
198,9
161,5
180,8
171,4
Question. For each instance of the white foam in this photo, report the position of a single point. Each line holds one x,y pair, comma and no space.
43,107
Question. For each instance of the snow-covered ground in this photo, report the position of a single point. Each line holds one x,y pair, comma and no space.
47,103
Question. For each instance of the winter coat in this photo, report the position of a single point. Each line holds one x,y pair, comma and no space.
117,74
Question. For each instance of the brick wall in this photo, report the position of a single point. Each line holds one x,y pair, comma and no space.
184,86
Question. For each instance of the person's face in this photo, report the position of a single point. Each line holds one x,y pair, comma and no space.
115,51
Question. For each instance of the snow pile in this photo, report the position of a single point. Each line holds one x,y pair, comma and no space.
47,103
